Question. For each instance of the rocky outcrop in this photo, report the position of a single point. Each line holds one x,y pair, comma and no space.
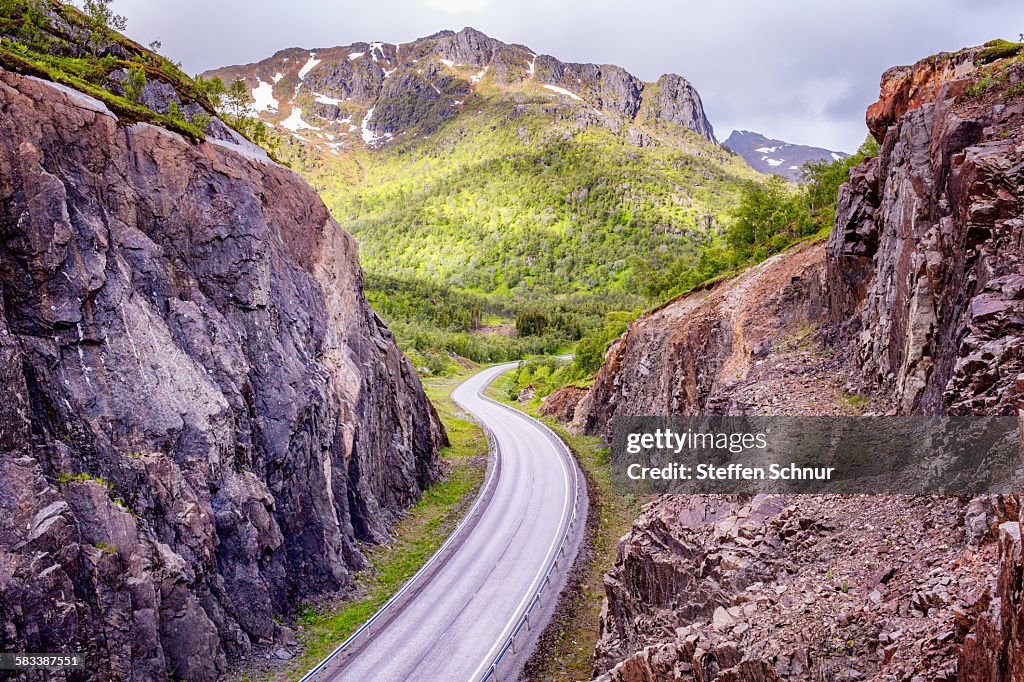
690,355
793,588
203,417
926,255
674,100
993,651
414,87
562,403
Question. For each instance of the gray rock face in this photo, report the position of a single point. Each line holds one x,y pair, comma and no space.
184,322
673,99
407,100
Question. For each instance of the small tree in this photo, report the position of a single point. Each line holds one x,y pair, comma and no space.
214,90
135,84
102,20
237,99
102,16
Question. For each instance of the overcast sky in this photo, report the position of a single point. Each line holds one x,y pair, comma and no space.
799,70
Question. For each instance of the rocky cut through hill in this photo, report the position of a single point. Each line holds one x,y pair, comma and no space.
202,416
914,305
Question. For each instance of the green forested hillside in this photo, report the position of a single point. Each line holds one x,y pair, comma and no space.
521,211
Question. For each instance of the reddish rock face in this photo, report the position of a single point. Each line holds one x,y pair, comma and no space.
562,403
905,88
925,260
995,649
184,322
693,355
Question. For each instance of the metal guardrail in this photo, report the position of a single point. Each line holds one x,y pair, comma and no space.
468,520
524,619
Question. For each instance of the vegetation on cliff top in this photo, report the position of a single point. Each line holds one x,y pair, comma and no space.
83,49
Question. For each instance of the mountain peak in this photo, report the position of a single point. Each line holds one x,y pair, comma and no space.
375,92
776,157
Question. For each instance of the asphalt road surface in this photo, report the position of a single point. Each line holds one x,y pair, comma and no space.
454,625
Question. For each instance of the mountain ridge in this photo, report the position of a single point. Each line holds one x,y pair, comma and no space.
383,89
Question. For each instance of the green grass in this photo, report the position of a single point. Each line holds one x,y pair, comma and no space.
320,629
66,478
570,653
999,49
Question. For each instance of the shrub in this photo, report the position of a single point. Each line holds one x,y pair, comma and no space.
135,84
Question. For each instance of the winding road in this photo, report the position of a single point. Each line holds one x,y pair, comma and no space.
458,619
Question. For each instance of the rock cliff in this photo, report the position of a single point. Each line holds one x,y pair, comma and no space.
914,305
202,416
925,258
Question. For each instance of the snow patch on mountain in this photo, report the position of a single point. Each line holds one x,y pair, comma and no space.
263,98
563,91
309,66
369,136
295,123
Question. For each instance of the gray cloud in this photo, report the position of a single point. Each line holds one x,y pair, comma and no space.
799,70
